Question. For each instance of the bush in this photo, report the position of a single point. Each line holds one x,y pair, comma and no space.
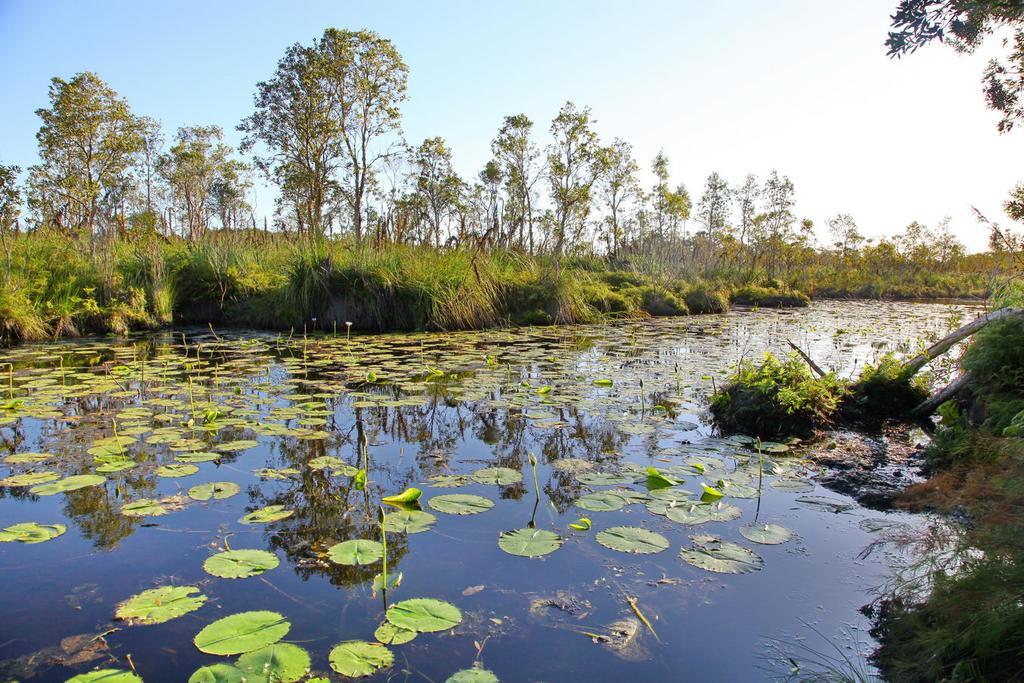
769,297
884,390
702,301
660,302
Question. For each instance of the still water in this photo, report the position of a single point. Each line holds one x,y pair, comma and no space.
296,422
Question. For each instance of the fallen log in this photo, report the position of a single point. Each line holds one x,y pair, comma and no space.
807,359
951,339
942,395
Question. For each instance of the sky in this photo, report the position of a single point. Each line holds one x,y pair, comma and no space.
745,86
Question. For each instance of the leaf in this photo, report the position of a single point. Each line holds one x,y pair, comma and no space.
157,605
271,513
105,676
603,478
424,615
31,532
217,673
217,490
410,495
242,632
530,542
656,479
711,491
73,483
389,634
689,513
472,676
144,507
236,446
408,521
460,503
29,479
601,501
824,503
631,539
448,481
358,658
583,524
715,555
603,382
766,534
176,470
499,476
277,663
241,563
22,458
358,552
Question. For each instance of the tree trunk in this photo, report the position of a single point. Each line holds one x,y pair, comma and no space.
950,340
938,398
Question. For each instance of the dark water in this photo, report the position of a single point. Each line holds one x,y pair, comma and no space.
425,405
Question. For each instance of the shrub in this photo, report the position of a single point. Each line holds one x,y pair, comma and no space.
769,297
701,301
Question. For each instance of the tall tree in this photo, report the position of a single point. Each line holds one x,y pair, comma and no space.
715,206
618,187
747,197
779,218
87,145
846,237
572,171
10,208
518,157
436,183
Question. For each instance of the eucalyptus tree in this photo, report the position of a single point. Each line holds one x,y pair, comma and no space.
715,206
573,168
779,218
10,208
846,236
326,120
520,164
618,187
670,209
88,143
437,184
747,197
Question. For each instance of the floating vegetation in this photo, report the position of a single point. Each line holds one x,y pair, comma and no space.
631,539
409,521
106,676
357,552
31,532
424,615
214,490
240,563
358,658
277,663
242,632
460,503
601,501
271,513
157,605
72,483
530,542
766,534
499,476
715,555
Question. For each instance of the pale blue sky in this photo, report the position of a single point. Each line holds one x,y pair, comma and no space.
740,86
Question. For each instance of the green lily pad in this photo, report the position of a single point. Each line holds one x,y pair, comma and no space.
600,501
241,563
144,507
242,632
175,470
408,521
23,458
218,673
31,532
723,512
603,478
460,503
715,555
473,675
105,676
424,615
358,658
766,534
116,464
277,663
499,476
530,542
271,513
235,446
72,483
389,634
406,497
448,481
358,552
689,513
632,539
217,490
29,479
200,456
157,605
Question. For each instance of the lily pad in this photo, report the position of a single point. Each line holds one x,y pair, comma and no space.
271,513
241,563
460,503
473,675
825,503
632,539
144,507
389,634
358,658
530,542
603,478
358,552
29,479
22,458
176,470
689,513
218,673
217,490
601,501
424,615
408,521
406,497
236,446
500,476
277,663
157,605
106,676
242,632
72,483
31,532
766,534
715,555
448,481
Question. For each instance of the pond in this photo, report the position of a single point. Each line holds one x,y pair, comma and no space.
136,464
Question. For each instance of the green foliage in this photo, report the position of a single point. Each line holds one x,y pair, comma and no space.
884,390
769,297
777,398
700,300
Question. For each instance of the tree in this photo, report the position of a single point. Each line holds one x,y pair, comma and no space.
670,208
619,185
10,207
436,183
966,24
518,157
747,196
715,206
87,145
572,172
779,218
845,235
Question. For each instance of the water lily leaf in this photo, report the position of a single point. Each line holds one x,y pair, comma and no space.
271,513
472,676
324,462
530,542
116,464
175,470
356,552
737,490
157,605
632,539
689,513
460,503
218,673
408,521
241,563
711,491
603,478
793,485
424,615
277,663
23,458
242,632
235,446
389,634
410,495
715,555
217,490
723,512
144,507
105,676
582,524
500,476
29,479
825,503
201,456
448,481
358,658
656,479
603,382
600,501
72,483
31,532
767,534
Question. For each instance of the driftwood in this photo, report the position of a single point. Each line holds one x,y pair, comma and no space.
951,339
942,395
807,359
